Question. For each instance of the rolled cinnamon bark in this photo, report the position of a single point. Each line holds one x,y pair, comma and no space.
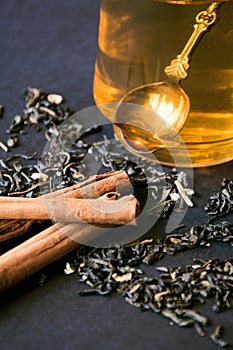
40,251
95,186
92,211
10,228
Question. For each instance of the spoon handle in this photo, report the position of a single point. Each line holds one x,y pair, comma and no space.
178,68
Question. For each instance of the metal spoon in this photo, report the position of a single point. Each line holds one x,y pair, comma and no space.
150,116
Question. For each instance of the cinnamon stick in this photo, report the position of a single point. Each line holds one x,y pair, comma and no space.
41,250
95,186
13,228
93,211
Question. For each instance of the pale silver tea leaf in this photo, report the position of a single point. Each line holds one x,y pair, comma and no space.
68,269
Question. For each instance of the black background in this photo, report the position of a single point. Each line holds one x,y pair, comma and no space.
52,45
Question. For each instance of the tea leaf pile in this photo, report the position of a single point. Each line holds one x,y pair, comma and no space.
176,291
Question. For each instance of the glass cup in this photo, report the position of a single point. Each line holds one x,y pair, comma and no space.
139,38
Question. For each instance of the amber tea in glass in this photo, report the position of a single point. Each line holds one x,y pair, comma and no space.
138,39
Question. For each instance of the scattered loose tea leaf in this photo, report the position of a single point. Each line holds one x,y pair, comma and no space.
216,337
69,269
222,202
3,146
42,280
55,98
199,329
179,321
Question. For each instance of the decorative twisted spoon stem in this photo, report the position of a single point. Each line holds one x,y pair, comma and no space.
178,68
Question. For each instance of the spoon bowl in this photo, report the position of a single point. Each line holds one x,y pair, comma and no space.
150,116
